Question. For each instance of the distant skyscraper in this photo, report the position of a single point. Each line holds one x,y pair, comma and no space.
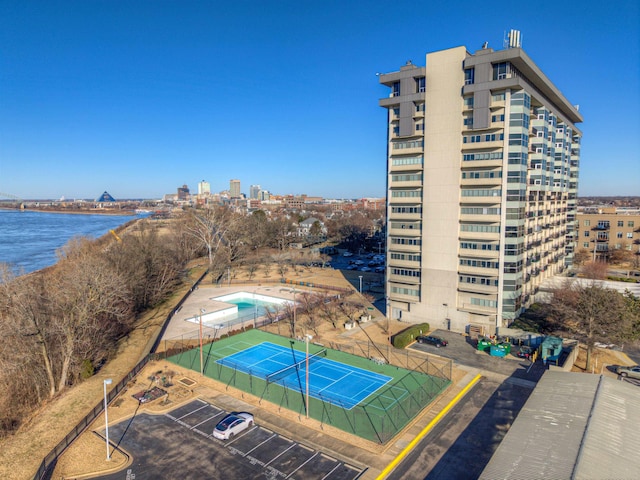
483,156
254,191
204,188
234,188
183,193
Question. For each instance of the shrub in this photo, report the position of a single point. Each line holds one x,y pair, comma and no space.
407,336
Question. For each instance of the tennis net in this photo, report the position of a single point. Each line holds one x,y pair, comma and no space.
286,371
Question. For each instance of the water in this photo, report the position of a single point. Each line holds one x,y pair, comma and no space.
29,240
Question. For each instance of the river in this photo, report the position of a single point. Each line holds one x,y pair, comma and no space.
29,240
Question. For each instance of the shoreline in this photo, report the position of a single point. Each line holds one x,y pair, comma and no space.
123,213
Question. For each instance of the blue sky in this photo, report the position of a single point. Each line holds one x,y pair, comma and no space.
140,97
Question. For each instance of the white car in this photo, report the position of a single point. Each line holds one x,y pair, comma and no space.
232,424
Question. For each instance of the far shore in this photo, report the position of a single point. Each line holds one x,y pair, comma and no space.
94,211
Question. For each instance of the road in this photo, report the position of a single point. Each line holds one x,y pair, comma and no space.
462,443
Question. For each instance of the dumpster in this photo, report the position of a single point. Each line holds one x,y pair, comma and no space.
484,344
500,350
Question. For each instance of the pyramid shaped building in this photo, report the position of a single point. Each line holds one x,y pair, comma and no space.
105,197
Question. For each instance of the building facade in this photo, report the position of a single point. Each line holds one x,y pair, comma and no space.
603,230
234,188
254,192
204,188
482,173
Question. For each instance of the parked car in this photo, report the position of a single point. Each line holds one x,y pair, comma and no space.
380,269
347,254
525,352
232,424
437,341
626,371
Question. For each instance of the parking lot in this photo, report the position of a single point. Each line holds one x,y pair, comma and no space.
180,444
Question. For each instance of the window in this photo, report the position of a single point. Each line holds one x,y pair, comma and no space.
419,107
621,223
396,112
629,235
587,223
408,144
420,85
396,162
619,235
498,97
630,224
499,70
419,127
395,89
468,102
497,118
468,76
586,233
468,121
585,244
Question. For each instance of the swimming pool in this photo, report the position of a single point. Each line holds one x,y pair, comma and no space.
240,306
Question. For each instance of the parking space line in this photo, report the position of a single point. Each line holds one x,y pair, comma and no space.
237,437
260,444
293,444
333,470
304,463
206,420
193,411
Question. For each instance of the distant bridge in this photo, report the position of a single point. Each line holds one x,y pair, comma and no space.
13,198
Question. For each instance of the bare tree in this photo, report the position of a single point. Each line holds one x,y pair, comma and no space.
210,226
350,308
330,309
593,313
594,270
89,307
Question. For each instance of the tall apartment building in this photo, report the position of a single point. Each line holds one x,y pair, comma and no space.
482,172
234,188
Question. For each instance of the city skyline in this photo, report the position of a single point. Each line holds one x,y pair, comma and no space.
139,98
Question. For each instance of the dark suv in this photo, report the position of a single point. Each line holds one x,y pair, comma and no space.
437,341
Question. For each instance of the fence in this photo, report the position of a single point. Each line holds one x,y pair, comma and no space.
378,419
49,462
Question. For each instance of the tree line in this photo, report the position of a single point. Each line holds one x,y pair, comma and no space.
60,325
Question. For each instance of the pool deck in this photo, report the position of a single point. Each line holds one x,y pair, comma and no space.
182,324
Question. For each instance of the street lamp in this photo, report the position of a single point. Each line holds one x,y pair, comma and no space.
307,337
202,310
360,277
294,312
388,327
106,382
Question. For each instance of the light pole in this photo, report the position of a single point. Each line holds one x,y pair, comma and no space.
107,381
202,310
294,312
360,277
388,327
307,337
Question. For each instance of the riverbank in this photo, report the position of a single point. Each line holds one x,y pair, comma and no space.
74,211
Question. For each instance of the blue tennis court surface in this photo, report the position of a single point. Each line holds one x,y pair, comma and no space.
330,381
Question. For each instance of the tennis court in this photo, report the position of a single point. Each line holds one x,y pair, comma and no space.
351,392
331,381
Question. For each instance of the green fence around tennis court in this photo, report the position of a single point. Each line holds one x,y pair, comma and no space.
379,418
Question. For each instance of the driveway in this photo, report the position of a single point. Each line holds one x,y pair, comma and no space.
462,351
